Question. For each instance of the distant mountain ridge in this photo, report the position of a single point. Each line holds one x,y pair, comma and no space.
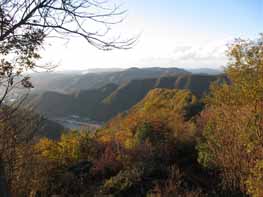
101,104
67,82
207,71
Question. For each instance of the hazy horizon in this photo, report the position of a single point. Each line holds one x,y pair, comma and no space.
58,70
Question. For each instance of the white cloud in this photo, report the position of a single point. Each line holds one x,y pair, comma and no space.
207,54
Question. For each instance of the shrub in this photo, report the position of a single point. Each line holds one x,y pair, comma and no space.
109,163
233,120
126,182
173,186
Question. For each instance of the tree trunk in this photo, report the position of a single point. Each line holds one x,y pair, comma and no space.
3,183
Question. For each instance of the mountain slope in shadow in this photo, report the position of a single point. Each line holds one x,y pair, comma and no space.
102,104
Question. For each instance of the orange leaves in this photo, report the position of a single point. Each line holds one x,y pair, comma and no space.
164,109
109,162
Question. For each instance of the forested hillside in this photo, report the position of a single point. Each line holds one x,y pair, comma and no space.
171,143
67,82
106,102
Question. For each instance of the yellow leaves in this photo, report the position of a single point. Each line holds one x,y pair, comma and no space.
129,143
246,69
166,106
255,181
69,146
64,150
45,147
233,117
124,137
105,136
165,99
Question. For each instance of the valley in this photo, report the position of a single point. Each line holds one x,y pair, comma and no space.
75,122
103,102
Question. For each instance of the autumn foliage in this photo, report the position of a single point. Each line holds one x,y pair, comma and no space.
171,143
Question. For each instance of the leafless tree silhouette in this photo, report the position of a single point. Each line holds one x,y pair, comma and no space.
25,24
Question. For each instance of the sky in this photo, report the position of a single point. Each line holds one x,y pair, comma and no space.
172,33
